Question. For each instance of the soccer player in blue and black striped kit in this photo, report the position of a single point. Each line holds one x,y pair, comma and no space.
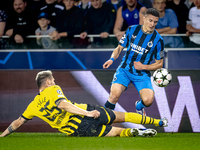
144,44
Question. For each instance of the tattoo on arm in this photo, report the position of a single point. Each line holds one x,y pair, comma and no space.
58,102
24,121
10,129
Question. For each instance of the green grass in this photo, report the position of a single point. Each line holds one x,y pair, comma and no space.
58,141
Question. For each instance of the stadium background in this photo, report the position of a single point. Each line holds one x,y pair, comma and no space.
18,87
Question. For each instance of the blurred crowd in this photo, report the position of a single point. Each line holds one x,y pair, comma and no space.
60,20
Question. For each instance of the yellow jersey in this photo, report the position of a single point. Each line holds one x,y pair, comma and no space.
43,106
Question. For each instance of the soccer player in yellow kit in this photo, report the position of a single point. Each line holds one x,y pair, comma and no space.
74,119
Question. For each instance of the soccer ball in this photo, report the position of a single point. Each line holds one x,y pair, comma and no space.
162,77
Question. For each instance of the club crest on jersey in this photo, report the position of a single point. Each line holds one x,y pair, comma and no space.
135,15
150,44
59,92
115,78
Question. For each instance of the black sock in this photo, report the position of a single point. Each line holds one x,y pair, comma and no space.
109,105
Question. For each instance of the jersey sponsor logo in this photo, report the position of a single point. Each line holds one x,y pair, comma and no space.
138,49
59,92
20,19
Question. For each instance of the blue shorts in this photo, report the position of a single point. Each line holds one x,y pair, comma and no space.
124,77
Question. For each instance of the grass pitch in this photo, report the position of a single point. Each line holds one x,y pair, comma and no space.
59,141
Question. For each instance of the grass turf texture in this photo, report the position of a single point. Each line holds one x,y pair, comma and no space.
49,141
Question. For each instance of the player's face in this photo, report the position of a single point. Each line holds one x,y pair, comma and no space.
96,3
52,81
43,22
19,6
131,3
150,23
196,3
68,4
159,5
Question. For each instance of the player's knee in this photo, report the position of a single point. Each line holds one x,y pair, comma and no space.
147,101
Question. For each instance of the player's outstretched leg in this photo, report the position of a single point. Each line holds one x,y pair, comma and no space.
140,119
138,132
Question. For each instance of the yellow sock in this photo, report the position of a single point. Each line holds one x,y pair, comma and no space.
126,133
140,119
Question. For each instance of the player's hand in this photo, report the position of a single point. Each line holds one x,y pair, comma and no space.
9,32
104,34
94,113
139,65
18,38
107,64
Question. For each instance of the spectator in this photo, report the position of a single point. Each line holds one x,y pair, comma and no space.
181,10
167,24
194,26
60,2
3,18
35,5
100,20
45,29
116,3
84,4
130,14
20,22
52,8
69,22
146,3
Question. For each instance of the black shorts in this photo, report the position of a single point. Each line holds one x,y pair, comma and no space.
96,127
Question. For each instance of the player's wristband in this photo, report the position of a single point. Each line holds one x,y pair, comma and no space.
112,59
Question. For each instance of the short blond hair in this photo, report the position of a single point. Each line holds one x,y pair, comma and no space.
42,76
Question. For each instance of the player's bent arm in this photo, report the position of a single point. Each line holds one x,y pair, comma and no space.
158,64
117,52
16,124
114,56
66,106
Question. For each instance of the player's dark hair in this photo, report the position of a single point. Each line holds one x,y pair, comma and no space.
42,76
152,11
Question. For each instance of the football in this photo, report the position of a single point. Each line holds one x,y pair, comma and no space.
162,77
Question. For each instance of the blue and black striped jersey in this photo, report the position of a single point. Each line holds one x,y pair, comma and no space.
141,46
